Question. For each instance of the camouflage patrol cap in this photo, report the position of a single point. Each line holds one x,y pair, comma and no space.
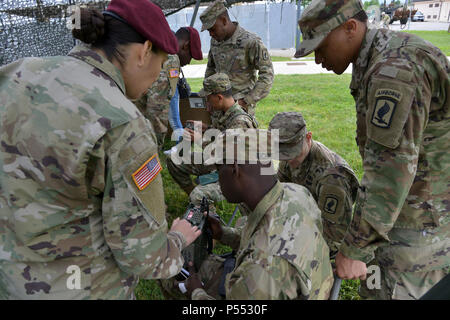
320,18
292,131
209,16
244,146
217,83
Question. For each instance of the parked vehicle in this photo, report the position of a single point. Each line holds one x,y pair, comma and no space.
418,16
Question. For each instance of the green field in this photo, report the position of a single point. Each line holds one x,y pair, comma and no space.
328,108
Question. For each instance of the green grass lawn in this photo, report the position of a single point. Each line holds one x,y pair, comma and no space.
440,39
328,108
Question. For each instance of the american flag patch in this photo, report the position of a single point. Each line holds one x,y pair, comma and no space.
173,73
147,172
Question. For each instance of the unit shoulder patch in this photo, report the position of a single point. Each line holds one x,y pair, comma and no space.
385,105
330,204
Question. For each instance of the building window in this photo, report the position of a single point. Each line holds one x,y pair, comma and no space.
435,16
436,4
428,17
430,5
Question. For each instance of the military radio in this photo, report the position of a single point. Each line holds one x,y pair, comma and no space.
202,246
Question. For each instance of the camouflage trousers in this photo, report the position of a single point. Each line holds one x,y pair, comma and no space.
181,173
160,121
401,285
158,115
210,274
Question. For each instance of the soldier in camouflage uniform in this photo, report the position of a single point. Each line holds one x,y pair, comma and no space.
217,90
155,104
73,153
238,53
324,173
401,86
281,253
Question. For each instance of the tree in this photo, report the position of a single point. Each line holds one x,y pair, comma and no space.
369,3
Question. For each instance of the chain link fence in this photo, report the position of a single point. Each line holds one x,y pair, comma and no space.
37,27
40,27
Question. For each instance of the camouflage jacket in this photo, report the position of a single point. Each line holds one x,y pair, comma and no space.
282,254
72,145
401,86
333,185
240,57
155,104
235,118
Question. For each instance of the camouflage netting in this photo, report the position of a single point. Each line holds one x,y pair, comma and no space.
39,27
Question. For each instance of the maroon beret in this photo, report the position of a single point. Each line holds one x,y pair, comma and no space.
195,44
147,19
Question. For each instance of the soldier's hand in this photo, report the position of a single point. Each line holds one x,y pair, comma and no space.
243,104
215,226
193,282
192,135
189,231
347,268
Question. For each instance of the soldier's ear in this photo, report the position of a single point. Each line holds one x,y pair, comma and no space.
187,46
350,27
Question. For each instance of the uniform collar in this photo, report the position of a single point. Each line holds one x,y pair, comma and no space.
85,53
228,113
233,39
254,217
364,56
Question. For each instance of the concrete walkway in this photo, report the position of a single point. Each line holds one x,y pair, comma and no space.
297,66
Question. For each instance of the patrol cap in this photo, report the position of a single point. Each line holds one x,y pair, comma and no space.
195,44
292,131
217,83
147,19
241,145
209,16
320,18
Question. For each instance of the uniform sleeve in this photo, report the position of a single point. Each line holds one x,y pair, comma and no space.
241,122
253,280
259,57
335,201
397,113
210,66
231,237
133,208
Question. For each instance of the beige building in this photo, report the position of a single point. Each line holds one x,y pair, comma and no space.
437,10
